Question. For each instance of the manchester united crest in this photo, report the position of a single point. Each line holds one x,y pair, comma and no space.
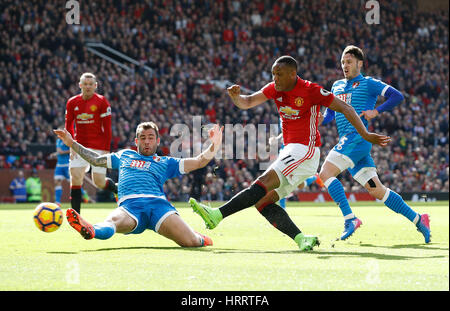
298,101
93,108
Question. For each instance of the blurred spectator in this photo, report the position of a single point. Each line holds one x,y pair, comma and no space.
18,188
34,187
186,41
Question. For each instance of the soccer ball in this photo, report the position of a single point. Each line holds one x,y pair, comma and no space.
48,217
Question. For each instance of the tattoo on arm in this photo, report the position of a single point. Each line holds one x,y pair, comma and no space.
91,156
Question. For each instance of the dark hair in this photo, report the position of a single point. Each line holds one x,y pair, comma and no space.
288,61
355,51
145,126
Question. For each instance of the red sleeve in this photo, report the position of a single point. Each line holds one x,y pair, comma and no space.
320,96
69,118
106,123
269,90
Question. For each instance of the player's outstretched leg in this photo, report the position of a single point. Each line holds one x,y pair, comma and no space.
396,203
211,216
86,230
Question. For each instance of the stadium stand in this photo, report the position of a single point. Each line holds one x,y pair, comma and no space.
42,57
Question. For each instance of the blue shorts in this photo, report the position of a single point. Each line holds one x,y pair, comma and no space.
62,172
355,151
149,213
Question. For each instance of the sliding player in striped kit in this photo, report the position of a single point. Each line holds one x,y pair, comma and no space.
353,152
298,102
142,174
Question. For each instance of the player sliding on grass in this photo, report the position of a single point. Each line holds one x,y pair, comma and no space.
353,153
298,103
141,200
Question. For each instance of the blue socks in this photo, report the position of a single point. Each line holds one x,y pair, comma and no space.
337,193
58,194
310,180
395,202
104,230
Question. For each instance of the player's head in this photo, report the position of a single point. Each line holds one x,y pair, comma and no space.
284,73
147,138
352,61
88,84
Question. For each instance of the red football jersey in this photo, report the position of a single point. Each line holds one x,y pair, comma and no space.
92,120
299,110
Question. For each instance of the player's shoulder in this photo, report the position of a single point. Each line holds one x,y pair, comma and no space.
74,99
127,152
339,82
372,79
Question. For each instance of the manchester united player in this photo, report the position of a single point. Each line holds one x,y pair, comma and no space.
298,102
91,115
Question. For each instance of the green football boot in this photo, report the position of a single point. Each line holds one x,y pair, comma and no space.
306,242
211,216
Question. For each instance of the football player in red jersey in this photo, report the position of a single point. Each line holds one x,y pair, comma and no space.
88,120
298,102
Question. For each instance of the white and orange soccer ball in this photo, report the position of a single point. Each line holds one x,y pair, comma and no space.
48,217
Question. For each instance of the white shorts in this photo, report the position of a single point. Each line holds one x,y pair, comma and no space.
77,161
295,163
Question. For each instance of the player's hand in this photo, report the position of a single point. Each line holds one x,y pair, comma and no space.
321,117
65,136
369,114
234,91
215,135
377,139
272,140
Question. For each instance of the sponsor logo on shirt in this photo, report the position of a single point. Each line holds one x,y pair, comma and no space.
139,164
288,111
85,118
346,97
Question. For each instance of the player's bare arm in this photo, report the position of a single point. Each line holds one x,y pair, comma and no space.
351,115
91,156
215,136
369,114
245,101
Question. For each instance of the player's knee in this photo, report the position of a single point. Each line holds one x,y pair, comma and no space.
376,190
99,181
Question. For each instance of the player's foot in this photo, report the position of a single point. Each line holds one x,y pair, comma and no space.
116,196
423,226
211,216
86,230
350,227
207,241
319,181
306,242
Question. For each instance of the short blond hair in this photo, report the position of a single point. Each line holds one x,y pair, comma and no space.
88,75
145,126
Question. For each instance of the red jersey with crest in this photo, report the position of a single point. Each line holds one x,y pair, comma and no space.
92,120
299,111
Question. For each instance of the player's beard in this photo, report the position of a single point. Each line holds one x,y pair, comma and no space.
147,152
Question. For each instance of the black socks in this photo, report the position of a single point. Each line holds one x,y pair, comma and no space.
278,217
246,198
75,198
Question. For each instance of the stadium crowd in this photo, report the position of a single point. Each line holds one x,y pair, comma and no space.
42,58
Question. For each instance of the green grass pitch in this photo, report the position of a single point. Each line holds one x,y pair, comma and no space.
386,253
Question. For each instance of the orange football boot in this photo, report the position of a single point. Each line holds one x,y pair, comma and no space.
86,230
